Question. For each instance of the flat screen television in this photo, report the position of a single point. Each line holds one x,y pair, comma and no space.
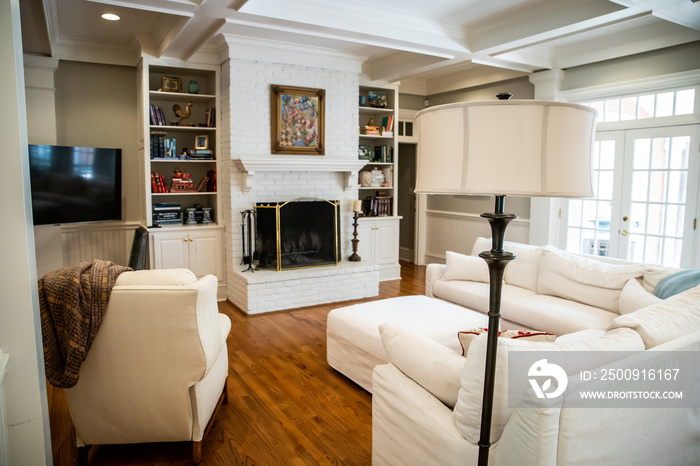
75,184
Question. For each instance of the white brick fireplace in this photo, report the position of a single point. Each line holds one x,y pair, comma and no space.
252,174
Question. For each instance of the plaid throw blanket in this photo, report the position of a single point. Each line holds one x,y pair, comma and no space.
73,301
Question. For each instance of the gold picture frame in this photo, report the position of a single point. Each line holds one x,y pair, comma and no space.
298,120
201,141
170,84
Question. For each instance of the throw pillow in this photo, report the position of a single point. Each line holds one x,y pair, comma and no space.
467,337
677,282
523,270
584,280
463,267
467,411
634,297
431,365
667,320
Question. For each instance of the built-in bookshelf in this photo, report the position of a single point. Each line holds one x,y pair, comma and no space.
180,141
378,228
378,145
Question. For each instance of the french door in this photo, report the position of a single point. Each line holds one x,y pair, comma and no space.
646,193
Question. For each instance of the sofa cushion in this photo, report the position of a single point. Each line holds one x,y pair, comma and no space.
157,277
466,337
666,320
584,280
431,365
634,297
553,314
468,407
463,267
524,269
654,274
677,282
475,295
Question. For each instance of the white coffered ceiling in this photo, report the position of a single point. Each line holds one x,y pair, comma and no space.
408,40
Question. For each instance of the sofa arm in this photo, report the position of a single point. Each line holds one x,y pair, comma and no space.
412,427
433,272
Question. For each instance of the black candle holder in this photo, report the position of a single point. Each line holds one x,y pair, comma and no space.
355,257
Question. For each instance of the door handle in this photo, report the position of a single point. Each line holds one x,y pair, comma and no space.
624,232
625,218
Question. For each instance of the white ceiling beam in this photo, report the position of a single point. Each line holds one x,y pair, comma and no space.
168,7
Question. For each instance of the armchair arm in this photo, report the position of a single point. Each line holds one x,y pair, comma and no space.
433,272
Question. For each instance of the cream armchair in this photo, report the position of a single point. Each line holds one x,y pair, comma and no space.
157,369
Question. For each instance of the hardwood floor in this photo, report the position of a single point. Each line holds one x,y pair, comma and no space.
286,406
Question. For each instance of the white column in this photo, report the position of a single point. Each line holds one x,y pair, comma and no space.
544,224
20,324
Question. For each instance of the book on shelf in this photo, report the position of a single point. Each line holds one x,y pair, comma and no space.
202,186
166,207
383,154
158,183
372,130
180,185
210,117
387,125
211,184
162,147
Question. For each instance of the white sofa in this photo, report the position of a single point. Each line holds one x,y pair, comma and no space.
546,288
427,399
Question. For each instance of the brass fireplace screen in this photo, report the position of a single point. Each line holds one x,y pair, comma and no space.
303,232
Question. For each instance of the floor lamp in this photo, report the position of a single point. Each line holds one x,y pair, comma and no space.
504,147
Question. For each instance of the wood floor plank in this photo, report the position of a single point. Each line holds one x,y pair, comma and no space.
286,405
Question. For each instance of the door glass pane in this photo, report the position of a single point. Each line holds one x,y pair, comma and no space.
677,186
655,219
605,185
685,101
646,106
575,208
641,154
680,148
573,240
660,151
639,186
652,250
612,110
664,104
638,217
629,108
672,252
657,186
635,250
675,215
606,155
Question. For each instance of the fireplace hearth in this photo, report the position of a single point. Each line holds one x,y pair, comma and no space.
300,233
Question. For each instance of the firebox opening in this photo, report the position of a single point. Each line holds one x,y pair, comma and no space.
303,232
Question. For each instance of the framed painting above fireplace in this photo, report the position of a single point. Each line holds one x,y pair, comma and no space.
298,120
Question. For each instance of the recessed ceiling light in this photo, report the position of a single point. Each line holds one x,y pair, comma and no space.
110,17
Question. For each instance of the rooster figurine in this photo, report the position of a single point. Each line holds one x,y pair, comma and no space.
182,114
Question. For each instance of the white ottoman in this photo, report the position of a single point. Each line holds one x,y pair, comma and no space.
353,343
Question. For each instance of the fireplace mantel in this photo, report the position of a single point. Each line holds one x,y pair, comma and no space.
249,166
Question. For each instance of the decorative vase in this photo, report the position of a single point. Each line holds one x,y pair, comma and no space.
193,88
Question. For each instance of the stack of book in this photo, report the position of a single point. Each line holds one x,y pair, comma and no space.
167,214
158,183
200,154
372,130
182,186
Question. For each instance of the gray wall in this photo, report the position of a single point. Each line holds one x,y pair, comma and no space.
96,106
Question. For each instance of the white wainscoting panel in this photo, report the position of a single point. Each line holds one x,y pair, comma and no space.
4,444
454,231
106,241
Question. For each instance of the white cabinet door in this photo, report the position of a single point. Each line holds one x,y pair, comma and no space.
379,244
386,241
205,253
170,250
200,251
